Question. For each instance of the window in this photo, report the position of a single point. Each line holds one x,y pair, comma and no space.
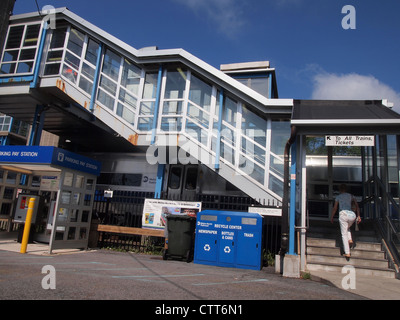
147,105
109,79
20,49
73,54
55,52
175,178
172,109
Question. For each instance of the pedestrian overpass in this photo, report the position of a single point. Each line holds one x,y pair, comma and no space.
99,93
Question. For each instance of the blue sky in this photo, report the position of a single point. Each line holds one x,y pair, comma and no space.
304,40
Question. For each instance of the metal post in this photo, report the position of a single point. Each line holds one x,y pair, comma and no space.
96,77
292,216
218,142
39,56
27,228
157,105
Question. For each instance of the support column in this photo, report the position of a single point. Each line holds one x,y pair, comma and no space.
292,215
37,126
159,181
96,77
218,142
157,105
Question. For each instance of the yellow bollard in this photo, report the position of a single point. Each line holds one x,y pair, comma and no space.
27,228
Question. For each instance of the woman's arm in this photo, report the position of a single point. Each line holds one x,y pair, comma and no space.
334,209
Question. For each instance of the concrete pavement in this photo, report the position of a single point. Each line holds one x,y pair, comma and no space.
101,274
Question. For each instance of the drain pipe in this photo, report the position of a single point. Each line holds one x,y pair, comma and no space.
285,198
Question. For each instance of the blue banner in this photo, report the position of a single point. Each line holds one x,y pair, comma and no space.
50,156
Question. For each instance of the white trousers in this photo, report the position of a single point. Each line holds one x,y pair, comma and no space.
346,220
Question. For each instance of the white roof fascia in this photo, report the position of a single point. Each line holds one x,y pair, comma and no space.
143,56
339,122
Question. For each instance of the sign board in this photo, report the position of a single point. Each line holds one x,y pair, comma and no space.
350,141
49,155
155,211
272,212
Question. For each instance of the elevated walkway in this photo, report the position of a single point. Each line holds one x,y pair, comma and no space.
94,90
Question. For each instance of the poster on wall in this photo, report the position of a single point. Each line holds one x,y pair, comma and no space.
156,210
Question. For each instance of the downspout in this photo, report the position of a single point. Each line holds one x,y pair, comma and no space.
285,198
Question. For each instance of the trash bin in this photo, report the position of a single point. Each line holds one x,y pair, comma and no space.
181,229
229,239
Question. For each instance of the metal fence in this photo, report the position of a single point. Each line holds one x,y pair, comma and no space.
125,208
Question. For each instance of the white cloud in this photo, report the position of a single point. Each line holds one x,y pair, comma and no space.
227,15
353,87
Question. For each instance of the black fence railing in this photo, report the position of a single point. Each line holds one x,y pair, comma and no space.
125,208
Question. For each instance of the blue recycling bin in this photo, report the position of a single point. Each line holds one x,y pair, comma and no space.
229,239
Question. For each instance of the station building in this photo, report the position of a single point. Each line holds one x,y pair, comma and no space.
164,124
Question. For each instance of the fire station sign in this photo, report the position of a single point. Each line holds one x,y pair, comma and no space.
350,141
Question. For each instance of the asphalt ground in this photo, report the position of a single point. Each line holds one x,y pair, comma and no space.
105,275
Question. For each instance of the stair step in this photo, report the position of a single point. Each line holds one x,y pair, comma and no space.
334,243
374,272
356,253
353,261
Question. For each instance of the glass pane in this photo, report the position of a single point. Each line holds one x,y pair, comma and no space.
58,38
51,69
108,85
253,151
254,126
200,93
105,99
71,233
150,86
276,165
125,113
196,132
8,68
228,135
198,114
228,153
147,107
126,98
175,178
145,124
92,51
171,124
280,132
54,56
69,73
24,67
88,71
27,54
111,64
15,37
11,55
229,112
86,85
31,35
172,107
175,86
72,60
75,41
275,185
131,77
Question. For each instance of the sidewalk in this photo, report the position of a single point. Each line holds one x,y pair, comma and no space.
375,288
8,242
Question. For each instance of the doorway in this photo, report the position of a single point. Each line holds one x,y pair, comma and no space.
327,168
182,182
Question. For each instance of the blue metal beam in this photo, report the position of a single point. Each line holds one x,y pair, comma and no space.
159,181
292,212
157,105
96,77
39,56
218,143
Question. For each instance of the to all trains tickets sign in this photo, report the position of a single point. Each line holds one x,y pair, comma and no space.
351,141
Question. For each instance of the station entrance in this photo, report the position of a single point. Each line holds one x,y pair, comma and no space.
63,186
351,142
